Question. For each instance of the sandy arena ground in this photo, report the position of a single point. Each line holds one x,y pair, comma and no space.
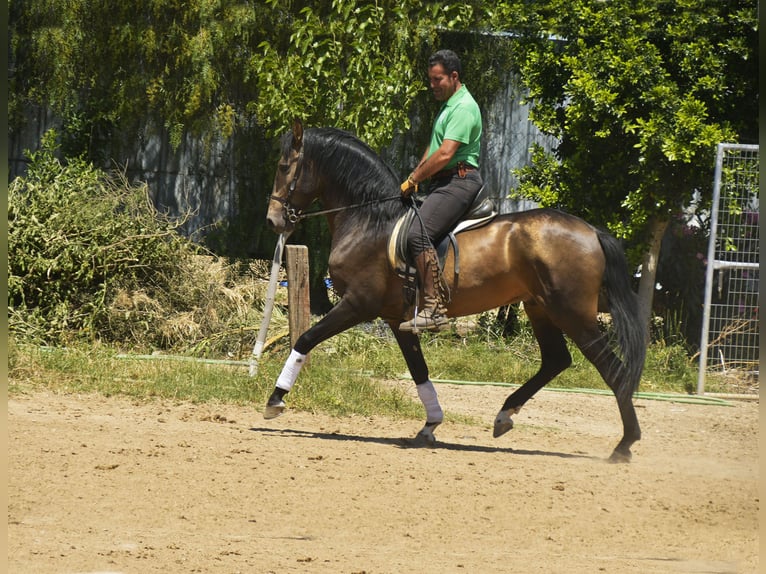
111,485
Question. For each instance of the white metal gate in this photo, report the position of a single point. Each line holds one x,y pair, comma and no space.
730,335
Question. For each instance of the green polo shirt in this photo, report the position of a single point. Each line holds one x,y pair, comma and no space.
459,119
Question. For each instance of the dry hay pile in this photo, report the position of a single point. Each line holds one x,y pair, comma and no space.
214,309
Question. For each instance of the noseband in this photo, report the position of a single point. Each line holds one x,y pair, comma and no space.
291,214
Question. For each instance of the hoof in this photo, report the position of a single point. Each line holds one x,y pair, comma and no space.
426,435
503,422
620,456
273,411
424,438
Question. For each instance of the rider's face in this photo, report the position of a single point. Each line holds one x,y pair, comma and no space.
443,84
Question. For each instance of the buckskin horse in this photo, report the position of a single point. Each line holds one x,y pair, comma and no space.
556,264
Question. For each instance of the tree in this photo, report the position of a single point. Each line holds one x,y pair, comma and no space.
221,65
638,94
103,66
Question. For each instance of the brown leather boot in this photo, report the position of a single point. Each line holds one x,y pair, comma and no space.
432,315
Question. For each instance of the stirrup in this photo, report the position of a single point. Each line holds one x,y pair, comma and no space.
426,321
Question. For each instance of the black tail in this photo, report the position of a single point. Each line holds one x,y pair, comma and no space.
631,332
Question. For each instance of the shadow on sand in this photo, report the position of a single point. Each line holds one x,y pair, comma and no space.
414,443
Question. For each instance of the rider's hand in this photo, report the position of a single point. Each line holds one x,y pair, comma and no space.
409,187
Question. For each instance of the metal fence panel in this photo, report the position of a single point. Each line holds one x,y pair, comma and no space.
730,335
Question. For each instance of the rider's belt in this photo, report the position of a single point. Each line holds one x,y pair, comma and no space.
461,169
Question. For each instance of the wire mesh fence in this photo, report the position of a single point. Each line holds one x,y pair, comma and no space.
730,334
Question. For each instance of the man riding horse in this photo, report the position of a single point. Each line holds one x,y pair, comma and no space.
559,266
451,162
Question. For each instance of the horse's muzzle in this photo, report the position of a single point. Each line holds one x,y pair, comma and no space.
276,222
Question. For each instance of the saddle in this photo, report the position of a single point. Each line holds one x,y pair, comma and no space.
481,212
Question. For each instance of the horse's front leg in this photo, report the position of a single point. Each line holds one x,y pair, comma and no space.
409,343
341,317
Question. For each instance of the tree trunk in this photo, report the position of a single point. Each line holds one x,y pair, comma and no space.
649,270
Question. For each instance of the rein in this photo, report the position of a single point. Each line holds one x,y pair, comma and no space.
295,215
300,215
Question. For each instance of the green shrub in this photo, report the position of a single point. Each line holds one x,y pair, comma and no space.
90,258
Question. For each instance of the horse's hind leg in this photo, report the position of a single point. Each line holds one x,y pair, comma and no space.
554,357
409,344
595,346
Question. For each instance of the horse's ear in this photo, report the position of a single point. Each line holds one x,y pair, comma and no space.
297,134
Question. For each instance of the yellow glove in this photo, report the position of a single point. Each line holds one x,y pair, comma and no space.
409,187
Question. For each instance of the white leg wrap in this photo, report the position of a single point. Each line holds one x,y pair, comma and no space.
290,371
430,400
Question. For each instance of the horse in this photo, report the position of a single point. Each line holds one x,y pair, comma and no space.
559,266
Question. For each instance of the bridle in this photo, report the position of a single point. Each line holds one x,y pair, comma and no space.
291,214
294,215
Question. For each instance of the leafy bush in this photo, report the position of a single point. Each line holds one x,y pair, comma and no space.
681,275
90,258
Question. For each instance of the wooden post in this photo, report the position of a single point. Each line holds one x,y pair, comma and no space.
298,302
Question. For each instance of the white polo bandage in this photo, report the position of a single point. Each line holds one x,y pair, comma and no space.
430,400
290,371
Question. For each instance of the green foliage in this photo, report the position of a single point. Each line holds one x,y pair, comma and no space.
89,257
351,64
102,66
668,368
678,302
221,65
639,94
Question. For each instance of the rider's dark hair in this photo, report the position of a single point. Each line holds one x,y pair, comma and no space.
448,59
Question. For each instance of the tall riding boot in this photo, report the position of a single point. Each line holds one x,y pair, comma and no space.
432,315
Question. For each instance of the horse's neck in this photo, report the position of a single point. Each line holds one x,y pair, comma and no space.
336,195
354,214
351,193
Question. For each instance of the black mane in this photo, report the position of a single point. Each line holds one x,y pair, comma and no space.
355,174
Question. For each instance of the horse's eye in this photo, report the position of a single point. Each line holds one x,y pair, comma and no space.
284,167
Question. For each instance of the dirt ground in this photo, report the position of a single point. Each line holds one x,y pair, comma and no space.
110,485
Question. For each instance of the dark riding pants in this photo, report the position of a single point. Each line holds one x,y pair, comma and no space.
447,202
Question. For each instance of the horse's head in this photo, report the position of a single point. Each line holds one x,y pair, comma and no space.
291,193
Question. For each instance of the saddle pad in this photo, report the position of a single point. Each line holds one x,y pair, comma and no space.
397,242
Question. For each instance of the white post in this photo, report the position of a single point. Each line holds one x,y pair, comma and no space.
709,271
268,306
